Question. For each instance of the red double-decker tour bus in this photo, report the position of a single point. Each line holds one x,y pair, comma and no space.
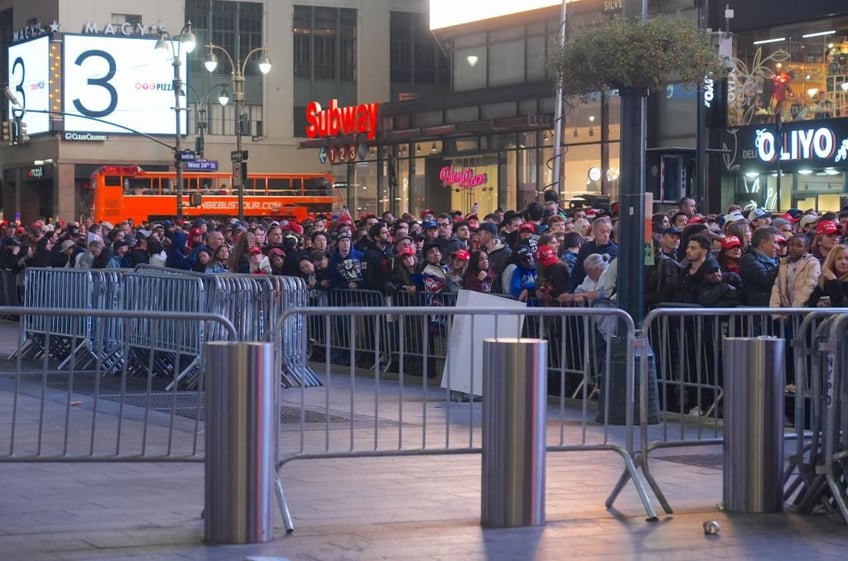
129,192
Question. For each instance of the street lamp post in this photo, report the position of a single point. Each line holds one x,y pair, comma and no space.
238,68
173,46
201,119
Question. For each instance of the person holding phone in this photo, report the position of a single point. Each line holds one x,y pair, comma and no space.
832,288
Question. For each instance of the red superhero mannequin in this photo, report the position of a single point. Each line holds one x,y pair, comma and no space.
781,90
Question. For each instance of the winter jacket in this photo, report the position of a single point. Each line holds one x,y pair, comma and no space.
806,279
661,281
346,272
758,272
836,289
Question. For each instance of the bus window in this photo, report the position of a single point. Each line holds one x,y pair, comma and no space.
316,186
296,186
136,185
259,186
279,186
112,181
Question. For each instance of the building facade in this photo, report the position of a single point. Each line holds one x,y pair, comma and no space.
785,144
464,111
319,50
487,137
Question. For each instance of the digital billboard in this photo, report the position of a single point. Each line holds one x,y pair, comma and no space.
122,80
29,81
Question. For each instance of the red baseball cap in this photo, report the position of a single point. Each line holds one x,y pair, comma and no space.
547,255
463,254
827,228
408,250
527,226
730,242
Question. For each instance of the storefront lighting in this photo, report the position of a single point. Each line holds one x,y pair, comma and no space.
812,92
472,60
831,171
805,171
818,34
433,148
844,86
766,41
751,174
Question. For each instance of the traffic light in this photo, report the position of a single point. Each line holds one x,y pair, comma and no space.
23,137
6,131
198,146
244,124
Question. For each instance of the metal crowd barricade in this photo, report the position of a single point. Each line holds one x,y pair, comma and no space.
253,303
816,477
371,413
172,349
425,342
687,345
365,342
79,415
295,369
56,288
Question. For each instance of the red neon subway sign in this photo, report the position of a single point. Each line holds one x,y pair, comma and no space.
335,120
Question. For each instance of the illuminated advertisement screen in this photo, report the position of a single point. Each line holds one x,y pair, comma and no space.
122,80
447,13
29,81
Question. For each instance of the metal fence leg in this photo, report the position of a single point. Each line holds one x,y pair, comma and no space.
631,472
284,506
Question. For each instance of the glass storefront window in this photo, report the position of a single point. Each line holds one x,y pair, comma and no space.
799,71
821,190
474,180
585,173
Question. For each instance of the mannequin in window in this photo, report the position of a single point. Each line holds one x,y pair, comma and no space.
780,91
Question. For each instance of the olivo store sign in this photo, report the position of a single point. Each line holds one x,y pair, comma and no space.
790,145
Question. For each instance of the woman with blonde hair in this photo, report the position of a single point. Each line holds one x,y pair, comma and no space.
832,288
741,229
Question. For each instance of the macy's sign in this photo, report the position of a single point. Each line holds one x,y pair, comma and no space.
464,178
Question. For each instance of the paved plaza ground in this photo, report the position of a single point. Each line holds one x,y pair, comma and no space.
409,508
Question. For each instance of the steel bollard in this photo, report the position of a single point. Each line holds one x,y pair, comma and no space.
242,432
754,378
514,419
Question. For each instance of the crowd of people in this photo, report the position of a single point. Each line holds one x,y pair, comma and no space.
544,254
